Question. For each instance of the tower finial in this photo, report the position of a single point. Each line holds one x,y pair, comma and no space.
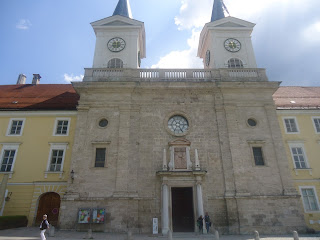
123,9
217,11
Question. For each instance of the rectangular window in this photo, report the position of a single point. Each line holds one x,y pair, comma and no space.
100,157
7,160
316,122
62,127
291,125
258,156
298,157
309,199
56,160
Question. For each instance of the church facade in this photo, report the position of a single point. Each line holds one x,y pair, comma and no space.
173,144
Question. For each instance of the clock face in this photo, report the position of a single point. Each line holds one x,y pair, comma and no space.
232,45
178,124
207,58
116,44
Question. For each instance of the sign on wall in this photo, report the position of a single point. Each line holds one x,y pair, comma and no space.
155,225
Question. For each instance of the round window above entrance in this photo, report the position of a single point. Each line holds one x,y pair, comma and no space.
178,124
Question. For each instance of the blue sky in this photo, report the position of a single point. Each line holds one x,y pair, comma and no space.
54,37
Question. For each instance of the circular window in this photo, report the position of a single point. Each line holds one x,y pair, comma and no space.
252,122
103,123
178,124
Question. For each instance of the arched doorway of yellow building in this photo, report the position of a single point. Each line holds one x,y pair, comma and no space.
49,203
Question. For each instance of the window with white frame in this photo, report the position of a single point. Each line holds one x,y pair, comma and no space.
8,157
316,123
291,125
298,155
62,127
309,197
15,127
56,157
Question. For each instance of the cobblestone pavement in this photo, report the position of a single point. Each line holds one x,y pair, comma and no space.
34,234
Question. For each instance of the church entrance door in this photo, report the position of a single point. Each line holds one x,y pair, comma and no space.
182,209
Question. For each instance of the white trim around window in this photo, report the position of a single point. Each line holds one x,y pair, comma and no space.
298,155
295,122
56,147
9,147
17,127
306,199
316,124
55,129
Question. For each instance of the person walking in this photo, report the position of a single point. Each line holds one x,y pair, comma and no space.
200,224
43,227
207,221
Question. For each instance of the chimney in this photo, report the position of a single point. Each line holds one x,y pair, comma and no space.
36,79
21,79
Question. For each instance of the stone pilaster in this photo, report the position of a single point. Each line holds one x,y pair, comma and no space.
165,209
123,153
226,157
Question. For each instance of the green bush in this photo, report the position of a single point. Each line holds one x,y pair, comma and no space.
7,222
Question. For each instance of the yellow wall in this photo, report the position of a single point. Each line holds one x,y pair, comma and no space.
28,180
311,142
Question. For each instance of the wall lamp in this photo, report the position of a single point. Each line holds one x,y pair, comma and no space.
72,175
8,196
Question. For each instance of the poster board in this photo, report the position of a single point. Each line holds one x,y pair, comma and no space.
98,215
84,215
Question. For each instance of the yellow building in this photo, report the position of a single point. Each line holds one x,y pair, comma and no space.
37,124
298,111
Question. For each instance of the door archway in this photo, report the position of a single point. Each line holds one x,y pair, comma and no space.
49,203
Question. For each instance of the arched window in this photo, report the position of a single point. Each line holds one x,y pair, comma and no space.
235,63
115,63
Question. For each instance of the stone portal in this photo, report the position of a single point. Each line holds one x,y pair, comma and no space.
182,209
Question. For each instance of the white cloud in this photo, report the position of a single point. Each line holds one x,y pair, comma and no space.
182,59
23,24
72,78
312,33
192,14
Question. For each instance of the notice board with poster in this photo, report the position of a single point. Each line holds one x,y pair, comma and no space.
98,215
84,215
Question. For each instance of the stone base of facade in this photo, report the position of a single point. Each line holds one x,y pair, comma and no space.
121,214
266,214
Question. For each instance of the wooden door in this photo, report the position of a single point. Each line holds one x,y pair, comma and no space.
182,210
49,204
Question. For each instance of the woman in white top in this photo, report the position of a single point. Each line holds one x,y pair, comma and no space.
43,227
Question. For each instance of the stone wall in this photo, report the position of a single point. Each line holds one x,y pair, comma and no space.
137,134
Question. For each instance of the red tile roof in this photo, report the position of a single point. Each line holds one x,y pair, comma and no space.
297,98
64,97
38,97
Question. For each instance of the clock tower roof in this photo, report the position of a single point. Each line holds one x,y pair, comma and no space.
217,11
123,9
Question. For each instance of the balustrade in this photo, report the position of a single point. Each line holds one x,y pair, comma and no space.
224,74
